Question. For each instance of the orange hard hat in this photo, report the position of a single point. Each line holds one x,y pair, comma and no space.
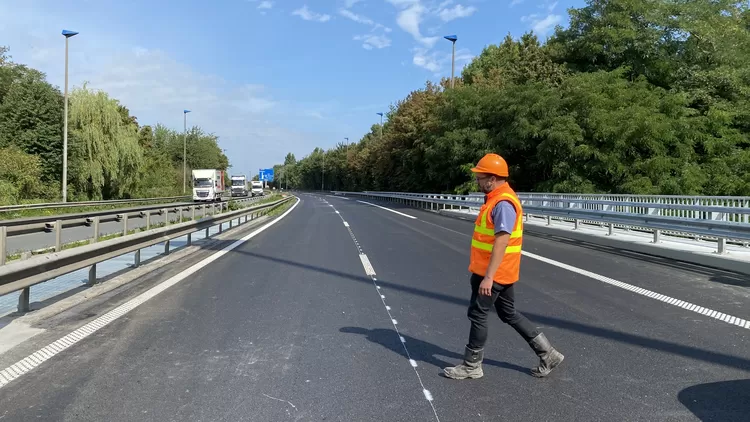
492,164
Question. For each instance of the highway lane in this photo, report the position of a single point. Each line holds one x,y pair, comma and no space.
289,327
41,240
628,357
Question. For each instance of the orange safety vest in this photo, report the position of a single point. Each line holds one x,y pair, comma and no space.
484,238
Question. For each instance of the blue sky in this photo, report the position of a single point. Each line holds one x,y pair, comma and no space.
267,77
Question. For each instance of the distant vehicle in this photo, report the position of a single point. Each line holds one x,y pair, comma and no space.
257,188
208,185
239,185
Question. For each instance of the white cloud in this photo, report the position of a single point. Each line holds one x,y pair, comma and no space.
542,26
439,62
373,41
309,15
410,17
356,18
516,2
265,5
349,3
370,41
459,11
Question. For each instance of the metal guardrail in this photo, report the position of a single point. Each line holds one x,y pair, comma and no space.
54,205
21,275
55,224
722,223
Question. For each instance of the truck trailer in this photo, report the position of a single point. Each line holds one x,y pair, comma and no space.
208,185
239,185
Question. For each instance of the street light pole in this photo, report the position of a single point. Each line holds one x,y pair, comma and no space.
67,34
184,151
381,125
453,39
323,173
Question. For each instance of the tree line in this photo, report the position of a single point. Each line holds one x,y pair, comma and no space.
110,155
634,96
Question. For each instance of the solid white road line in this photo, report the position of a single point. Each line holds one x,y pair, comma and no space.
645,292
388,209
635,289
35,359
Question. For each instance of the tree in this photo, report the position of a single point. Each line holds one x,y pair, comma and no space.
30,118
105,155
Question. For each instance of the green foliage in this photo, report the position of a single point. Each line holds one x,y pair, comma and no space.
635,96
20,177
110,156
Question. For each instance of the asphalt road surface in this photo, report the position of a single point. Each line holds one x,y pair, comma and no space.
41,240
289,326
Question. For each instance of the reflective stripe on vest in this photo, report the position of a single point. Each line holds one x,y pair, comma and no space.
484,230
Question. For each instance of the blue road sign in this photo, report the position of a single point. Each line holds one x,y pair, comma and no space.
265,175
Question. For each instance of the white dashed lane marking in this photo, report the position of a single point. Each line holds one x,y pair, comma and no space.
370,271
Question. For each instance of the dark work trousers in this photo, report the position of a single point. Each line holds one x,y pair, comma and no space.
503,300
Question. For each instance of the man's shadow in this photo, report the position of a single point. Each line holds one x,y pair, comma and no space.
421,351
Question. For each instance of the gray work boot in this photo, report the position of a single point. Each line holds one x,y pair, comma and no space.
549,358
471,367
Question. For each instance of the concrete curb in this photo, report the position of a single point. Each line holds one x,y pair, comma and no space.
712,260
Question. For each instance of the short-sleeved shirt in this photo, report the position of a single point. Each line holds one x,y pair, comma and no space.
504,217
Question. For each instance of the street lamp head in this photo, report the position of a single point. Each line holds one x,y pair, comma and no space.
186,111
69,34
451,38
379,114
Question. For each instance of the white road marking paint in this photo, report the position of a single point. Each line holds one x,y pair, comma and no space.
366,263
346,224
729,319
635,289
338,197
30,362
370,271
388,209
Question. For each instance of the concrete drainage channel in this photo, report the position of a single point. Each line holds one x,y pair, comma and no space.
79,282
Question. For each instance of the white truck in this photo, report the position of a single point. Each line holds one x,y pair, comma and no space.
239,185
208,184
257,188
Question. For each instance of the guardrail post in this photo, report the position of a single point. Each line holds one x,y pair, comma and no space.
207,233
721,245
92,275
610,229
166,247
657,235
166,216
96,230
24,300
575,222
148,220
231,223
137,259
124,224
3,244
192,208
549,220
58,235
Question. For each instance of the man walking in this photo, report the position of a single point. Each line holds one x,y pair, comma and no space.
495,266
